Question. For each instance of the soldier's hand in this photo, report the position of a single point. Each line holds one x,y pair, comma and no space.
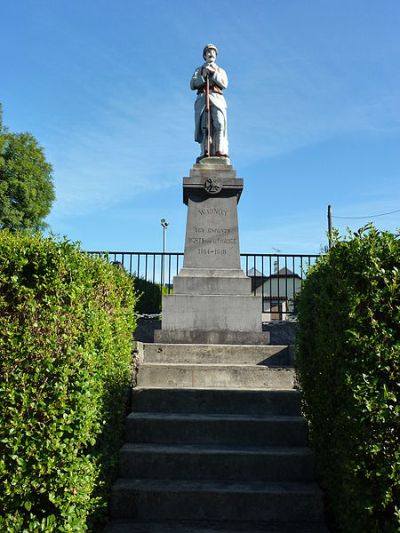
208,71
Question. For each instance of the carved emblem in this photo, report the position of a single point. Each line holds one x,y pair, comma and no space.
212,186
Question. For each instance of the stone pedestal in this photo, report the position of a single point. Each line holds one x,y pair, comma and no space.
212,300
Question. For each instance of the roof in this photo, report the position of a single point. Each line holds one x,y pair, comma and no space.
254,272
283,272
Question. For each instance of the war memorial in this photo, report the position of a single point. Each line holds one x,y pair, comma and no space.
215,440
212,300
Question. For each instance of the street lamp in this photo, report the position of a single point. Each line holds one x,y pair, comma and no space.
164,225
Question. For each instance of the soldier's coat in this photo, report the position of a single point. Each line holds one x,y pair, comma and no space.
197,82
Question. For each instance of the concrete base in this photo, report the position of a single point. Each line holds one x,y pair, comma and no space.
212,301
216,318
212,281
210,337
213,312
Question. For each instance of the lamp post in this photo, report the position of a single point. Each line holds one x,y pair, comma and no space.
164,225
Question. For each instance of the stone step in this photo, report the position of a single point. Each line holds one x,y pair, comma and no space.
210,376
240,430
207,526
228,463
214,354
211,500
230,401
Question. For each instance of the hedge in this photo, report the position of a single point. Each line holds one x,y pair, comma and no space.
66,324
348,358
149,296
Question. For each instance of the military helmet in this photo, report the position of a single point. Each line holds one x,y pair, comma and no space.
207,46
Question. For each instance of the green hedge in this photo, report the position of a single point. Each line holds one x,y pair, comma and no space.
348,358
149,296
66,324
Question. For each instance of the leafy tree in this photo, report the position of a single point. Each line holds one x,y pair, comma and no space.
26,183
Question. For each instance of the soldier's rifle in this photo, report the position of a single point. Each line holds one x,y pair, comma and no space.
208,113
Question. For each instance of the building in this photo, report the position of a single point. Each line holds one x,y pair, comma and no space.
277,290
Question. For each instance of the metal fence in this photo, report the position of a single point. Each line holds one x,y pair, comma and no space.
277,278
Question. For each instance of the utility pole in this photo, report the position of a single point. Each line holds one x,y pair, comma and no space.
330,226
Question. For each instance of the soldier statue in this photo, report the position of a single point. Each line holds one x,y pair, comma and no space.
210,107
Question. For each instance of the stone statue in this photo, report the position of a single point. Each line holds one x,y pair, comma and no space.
210,107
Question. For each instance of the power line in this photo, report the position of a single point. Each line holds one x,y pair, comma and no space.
370,216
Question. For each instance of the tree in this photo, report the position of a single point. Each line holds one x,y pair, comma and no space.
26,182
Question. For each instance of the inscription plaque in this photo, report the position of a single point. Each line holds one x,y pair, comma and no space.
212,233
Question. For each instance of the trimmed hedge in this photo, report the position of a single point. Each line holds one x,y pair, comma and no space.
66,324
149,296
348,357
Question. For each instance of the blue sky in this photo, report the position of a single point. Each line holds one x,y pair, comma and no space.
314,113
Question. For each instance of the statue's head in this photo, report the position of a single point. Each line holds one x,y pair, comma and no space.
210,53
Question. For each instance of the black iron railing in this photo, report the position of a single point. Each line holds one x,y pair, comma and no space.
277,278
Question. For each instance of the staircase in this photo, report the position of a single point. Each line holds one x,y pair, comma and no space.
215,442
